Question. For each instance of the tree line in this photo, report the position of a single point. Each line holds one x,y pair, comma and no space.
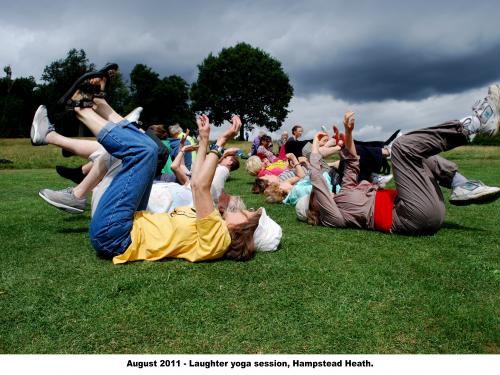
240,79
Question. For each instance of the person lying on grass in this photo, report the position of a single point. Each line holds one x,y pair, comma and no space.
165,197
121,230
289,187
416,206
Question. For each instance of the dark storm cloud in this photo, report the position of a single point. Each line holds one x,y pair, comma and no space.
356,51
388,72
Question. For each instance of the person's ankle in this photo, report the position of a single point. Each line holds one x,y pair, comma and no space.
78,194
50,136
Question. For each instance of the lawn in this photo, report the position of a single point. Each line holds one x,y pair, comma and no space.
324,291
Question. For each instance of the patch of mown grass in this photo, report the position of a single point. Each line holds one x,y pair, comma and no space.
324,291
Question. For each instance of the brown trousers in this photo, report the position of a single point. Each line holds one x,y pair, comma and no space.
418,172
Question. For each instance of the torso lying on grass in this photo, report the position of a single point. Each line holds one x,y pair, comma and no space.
178,234
354,205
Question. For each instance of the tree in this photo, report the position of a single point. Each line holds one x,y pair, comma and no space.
17,104
246,81
58,78
164,100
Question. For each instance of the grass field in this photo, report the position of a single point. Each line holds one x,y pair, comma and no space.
324,291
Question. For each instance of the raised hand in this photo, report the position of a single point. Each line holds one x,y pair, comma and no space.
230,132
203,127
319,136
190,148
184,137
349,121
230,152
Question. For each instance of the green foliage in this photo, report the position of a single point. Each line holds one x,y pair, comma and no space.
60,75
482,140
165,101
246,81
17,105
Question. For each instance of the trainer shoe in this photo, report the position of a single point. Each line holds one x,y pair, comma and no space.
488,113
381,181
64,200
40,127
473,191
134,115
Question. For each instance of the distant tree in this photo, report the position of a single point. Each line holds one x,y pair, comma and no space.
61,74
164,100
16,104
143,81
482,140
246,81
58,77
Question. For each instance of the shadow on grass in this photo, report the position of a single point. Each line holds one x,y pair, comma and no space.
73,230
449,225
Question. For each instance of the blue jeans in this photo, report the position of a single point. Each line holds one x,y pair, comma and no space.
129,192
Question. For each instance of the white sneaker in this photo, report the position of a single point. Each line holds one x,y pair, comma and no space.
473,191
40,127
488,113
381,181
134,115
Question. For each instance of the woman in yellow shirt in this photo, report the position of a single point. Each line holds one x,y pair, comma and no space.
121,230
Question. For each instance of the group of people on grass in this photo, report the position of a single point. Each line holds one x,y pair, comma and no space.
153,198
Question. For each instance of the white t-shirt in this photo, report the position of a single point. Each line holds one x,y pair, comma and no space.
220,177
165,196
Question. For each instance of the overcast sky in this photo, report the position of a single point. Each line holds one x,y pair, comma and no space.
398,64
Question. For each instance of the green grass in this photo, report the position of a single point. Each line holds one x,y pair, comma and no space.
324,291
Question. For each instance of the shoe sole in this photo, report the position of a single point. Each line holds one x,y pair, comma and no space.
34,129
104,72
71,210
478,199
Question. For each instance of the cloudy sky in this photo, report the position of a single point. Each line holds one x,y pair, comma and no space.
398,64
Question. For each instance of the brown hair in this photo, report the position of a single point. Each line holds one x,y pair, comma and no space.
313,211
265,138
274,194
295,128
259,185
158,130
242,245
235,163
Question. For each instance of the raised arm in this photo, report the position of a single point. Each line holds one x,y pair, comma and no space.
349,127
205,164
295,164
330,214
349,154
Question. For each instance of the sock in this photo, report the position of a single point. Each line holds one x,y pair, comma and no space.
458,180
74,174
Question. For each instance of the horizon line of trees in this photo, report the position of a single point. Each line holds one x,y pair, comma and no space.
241,79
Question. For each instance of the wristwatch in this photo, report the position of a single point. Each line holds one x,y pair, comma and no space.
218,150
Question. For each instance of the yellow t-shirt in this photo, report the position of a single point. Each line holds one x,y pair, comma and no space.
178,234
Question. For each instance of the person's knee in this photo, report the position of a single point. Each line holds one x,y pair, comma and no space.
398,146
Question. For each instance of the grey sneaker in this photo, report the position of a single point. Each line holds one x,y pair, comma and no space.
134,115
40,127
63,199
488,112
473,191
